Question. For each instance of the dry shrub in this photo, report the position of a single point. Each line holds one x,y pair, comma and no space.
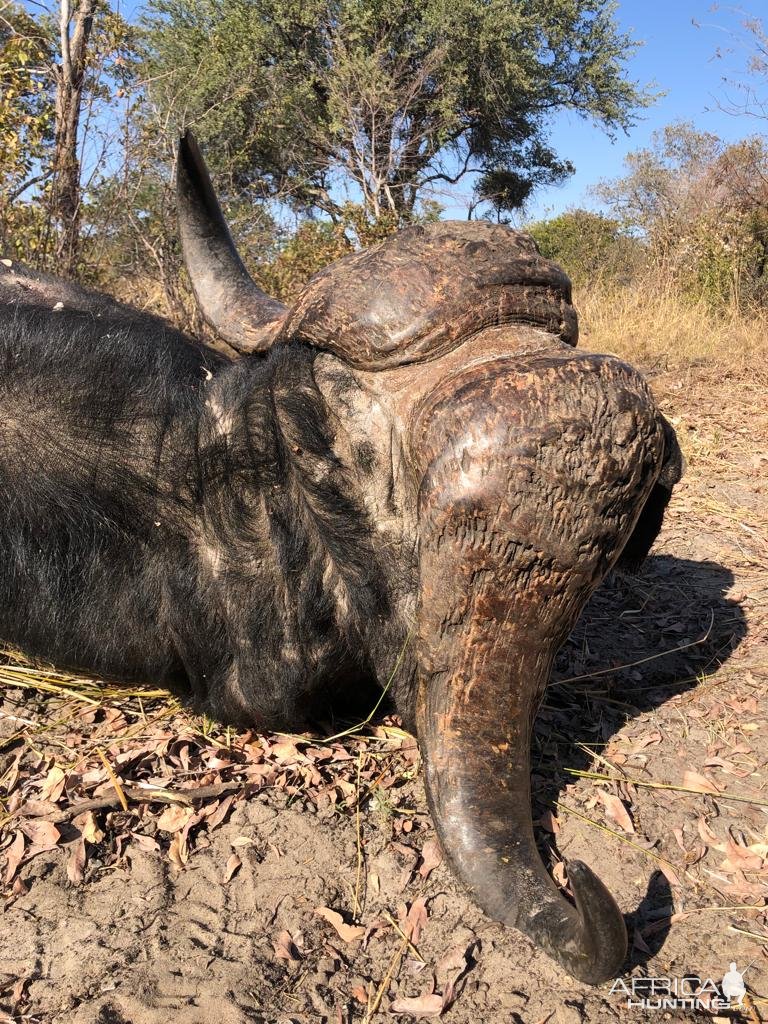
652,322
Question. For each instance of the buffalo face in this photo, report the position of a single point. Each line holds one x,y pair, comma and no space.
506,473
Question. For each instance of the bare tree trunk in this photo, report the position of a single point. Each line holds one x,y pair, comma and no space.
75,31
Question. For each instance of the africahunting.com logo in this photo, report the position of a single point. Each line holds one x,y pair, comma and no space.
691,992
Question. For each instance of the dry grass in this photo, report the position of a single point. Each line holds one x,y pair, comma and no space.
652,323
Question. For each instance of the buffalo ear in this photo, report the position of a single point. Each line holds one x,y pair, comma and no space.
228,297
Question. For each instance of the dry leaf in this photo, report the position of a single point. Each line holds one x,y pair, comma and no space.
431,857
416,920
648,740
285,752
740,858
708,836
42,833
76,862
53,786
420,1006
233,863
178,851
616,811
559,875
14,857
346,932
89,830
549,821
285,948
669,873
146,843
174,818
699,783
240,841
220,812
452,964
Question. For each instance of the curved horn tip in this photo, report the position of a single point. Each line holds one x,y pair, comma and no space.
188,142
604,933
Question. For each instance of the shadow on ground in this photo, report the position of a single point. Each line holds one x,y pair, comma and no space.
641,640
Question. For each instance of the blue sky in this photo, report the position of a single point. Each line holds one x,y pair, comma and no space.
680,59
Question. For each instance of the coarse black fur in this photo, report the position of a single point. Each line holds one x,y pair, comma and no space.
168,517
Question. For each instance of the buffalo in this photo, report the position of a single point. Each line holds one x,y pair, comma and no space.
414,458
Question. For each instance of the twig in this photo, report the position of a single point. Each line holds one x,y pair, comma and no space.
393,965
115,781
718,794
760,936
617,835
640,661
402,935
357,909
140,794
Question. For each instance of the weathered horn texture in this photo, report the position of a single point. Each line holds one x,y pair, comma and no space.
534,470
228,297
422,292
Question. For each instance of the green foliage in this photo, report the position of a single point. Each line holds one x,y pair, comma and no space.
299,99
701,207
26,128
589,246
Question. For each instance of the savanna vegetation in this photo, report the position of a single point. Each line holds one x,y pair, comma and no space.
330,123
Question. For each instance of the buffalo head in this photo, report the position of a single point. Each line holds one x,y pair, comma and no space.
500,473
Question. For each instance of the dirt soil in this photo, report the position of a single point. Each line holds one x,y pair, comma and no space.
300,880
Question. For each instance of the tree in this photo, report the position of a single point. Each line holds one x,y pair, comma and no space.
26,126
63,73
311,102
75,26
748,94
701,206
589,246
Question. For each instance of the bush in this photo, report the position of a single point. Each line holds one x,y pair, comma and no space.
589,246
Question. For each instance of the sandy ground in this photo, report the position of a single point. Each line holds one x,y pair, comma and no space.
222,909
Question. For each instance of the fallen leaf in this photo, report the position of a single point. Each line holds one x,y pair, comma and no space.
416,920
423,1006
53,785
233,863
740,858
559,875
41,833
669,873
616,811
550,822
220,812
699,783
240,841
284,947
431,857
76,862
648,740
14,857
146,843
32,808
360,994
346,932
708,836
449,969
178,851
89,830
174,818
